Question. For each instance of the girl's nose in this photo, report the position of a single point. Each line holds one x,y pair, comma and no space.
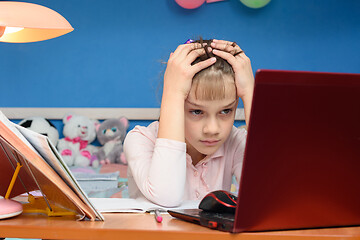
211,127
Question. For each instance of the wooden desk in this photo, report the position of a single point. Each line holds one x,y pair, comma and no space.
144,227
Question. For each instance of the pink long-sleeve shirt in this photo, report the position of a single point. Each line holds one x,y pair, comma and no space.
162,171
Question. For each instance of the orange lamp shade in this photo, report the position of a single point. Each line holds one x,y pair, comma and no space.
27,22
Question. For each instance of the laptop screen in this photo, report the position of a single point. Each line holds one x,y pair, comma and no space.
302,159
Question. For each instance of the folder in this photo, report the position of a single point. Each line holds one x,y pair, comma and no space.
43,169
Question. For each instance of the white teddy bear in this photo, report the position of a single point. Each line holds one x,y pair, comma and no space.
75,148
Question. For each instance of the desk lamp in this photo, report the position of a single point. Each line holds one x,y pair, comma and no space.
22,22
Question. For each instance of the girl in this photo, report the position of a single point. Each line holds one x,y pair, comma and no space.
194,148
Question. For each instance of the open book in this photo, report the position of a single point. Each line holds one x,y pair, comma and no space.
42,169
139,205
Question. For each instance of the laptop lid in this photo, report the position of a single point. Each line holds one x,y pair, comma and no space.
302,159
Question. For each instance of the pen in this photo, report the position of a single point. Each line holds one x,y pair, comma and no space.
158,216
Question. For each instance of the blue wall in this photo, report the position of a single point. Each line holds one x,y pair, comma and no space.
113,57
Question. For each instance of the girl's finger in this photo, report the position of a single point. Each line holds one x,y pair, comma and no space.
238,53
230,47
227,56
225,42
236,62
185,49
202,65
225,47
194,54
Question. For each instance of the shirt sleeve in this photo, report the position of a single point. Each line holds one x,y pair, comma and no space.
158,167
240,141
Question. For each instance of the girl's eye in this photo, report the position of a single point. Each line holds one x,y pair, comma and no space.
114,129
226,111
196,112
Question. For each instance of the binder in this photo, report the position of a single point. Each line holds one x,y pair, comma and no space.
33,163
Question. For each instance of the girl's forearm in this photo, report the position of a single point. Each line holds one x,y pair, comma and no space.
247,101
171,124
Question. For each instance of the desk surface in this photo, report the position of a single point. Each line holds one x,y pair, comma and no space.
144,226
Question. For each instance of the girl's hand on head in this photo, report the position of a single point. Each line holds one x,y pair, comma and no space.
232,53
179,71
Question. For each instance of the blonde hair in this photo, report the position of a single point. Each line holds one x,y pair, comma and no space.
215,81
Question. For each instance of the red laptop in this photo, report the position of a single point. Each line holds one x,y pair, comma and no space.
302,158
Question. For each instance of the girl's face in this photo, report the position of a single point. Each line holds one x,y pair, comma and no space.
208,123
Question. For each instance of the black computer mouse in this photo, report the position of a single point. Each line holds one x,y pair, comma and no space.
219,201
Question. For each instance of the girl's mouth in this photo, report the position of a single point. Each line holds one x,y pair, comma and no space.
209,143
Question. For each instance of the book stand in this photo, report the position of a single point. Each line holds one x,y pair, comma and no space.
35,204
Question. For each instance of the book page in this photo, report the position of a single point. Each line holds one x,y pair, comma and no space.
11,127
139,205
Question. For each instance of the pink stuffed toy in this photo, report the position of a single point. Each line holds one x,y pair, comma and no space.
75,148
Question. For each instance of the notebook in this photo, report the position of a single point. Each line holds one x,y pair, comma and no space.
302,158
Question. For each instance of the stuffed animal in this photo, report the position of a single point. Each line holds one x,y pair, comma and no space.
43,126
76,150
111,134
